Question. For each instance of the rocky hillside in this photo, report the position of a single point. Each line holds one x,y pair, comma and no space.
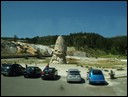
11,47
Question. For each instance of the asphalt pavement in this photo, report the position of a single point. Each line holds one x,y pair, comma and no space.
20,86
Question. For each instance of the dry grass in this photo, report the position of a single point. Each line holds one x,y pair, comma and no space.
72,61
99,63
25,61
106,64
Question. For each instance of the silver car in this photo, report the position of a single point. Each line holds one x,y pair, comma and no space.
73,75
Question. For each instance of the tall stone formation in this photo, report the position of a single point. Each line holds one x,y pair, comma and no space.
59,53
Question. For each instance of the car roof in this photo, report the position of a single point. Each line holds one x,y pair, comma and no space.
49,68
32,67
6,65
95,69
16,64
73,70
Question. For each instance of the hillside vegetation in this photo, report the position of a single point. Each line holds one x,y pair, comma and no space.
93,44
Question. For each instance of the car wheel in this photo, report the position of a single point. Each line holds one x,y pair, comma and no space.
89,82
81,81
4,75
67,81
14,73
43,78
54,77
26,76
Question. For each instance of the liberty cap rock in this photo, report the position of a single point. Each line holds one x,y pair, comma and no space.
59,53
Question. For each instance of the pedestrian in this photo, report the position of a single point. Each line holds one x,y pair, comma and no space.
47,66
26,65
112,74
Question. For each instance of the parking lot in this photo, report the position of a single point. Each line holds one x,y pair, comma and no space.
20,86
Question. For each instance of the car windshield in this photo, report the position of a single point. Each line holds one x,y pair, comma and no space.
74,72
30,68
97,72
48,70
37,69
6,66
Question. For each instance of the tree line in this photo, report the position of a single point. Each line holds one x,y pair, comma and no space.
82,41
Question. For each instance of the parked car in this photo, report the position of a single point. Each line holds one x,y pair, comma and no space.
73,75
32,71
95,76
12,69
49,73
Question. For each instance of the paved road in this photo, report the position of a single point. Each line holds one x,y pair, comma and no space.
19,86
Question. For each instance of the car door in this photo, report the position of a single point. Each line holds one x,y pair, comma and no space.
89,75
18,69
38,70
13,70
56,72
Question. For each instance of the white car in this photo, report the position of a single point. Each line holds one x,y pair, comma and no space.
73,75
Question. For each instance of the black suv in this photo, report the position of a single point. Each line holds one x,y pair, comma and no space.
12,69
32,71
49,73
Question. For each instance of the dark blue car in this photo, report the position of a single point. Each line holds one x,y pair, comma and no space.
32,71
12,69
95,76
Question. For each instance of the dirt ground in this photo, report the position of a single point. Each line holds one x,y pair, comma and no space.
62,68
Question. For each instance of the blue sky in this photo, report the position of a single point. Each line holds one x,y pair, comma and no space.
43,18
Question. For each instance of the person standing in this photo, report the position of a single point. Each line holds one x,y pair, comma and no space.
26,65
47,66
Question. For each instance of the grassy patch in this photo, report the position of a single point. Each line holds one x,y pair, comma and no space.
72,61
47,60
113,56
